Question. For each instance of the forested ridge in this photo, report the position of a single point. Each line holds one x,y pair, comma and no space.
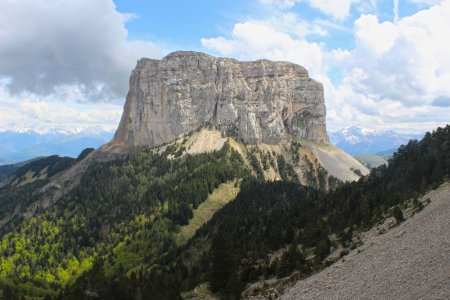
113,236
125,211
27,178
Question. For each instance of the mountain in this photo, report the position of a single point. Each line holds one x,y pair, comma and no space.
360,141
273,104
17,146
256,102
272,111
207,187
6,170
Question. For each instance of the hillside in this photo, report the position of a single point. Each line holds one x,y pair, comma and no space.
6,170
105,213
118,227
272,229
410,261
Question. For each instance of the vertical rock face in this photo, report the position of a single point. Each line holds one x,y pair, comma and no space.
259,101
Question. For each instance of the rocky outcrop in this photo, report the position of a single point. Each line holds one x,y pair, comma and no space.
256,102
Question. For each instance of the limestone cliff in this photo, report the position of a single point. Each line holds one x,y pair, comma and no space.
256,102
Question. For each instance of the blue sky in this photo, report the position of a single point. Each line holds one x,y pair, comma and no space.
384,63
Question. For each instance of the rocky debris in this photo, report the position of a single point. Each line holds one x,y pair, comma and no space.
410,261
338,163
256,102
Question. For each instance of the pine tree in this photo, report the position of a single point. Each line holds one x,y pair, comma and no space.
234,286
366,214
221,260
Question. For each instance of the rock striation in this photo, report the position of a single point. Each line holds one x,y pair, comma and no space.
256,102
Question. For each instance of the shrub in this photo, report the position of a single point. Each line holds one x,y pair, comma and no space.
398,214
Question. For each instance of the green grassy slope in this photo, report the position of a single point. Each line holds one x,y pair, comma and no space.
225,193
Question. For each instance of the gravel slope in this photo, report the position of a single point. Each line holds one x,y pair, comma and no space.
338,163
411,261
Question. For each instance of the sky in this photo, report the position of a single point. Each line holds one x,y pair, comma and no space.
384,64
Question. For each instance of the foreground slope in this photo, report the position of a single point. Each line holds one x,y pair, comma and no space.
411,261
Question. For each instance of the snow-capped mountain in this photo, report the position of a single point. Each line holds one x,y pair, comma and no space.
24,144
357,140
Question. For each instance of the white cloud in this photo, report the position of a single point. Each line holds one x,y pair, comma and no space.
395,10
345,107
54,44
279,3
375,37
337,9
292,24
397,75
406,61
42,114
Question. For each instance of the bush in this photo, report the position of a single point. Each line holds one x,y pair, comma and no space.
398,214
417,204
343,253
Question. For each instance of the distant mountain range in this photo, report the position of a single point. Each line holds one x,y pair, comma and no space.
360,141
21,145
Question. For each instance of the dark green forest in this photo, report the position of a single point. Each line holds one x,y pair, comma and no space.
112,237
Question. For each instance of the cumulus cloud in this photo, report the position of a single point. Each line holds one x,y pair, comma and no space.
397,75
58,44
346,106
406,61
